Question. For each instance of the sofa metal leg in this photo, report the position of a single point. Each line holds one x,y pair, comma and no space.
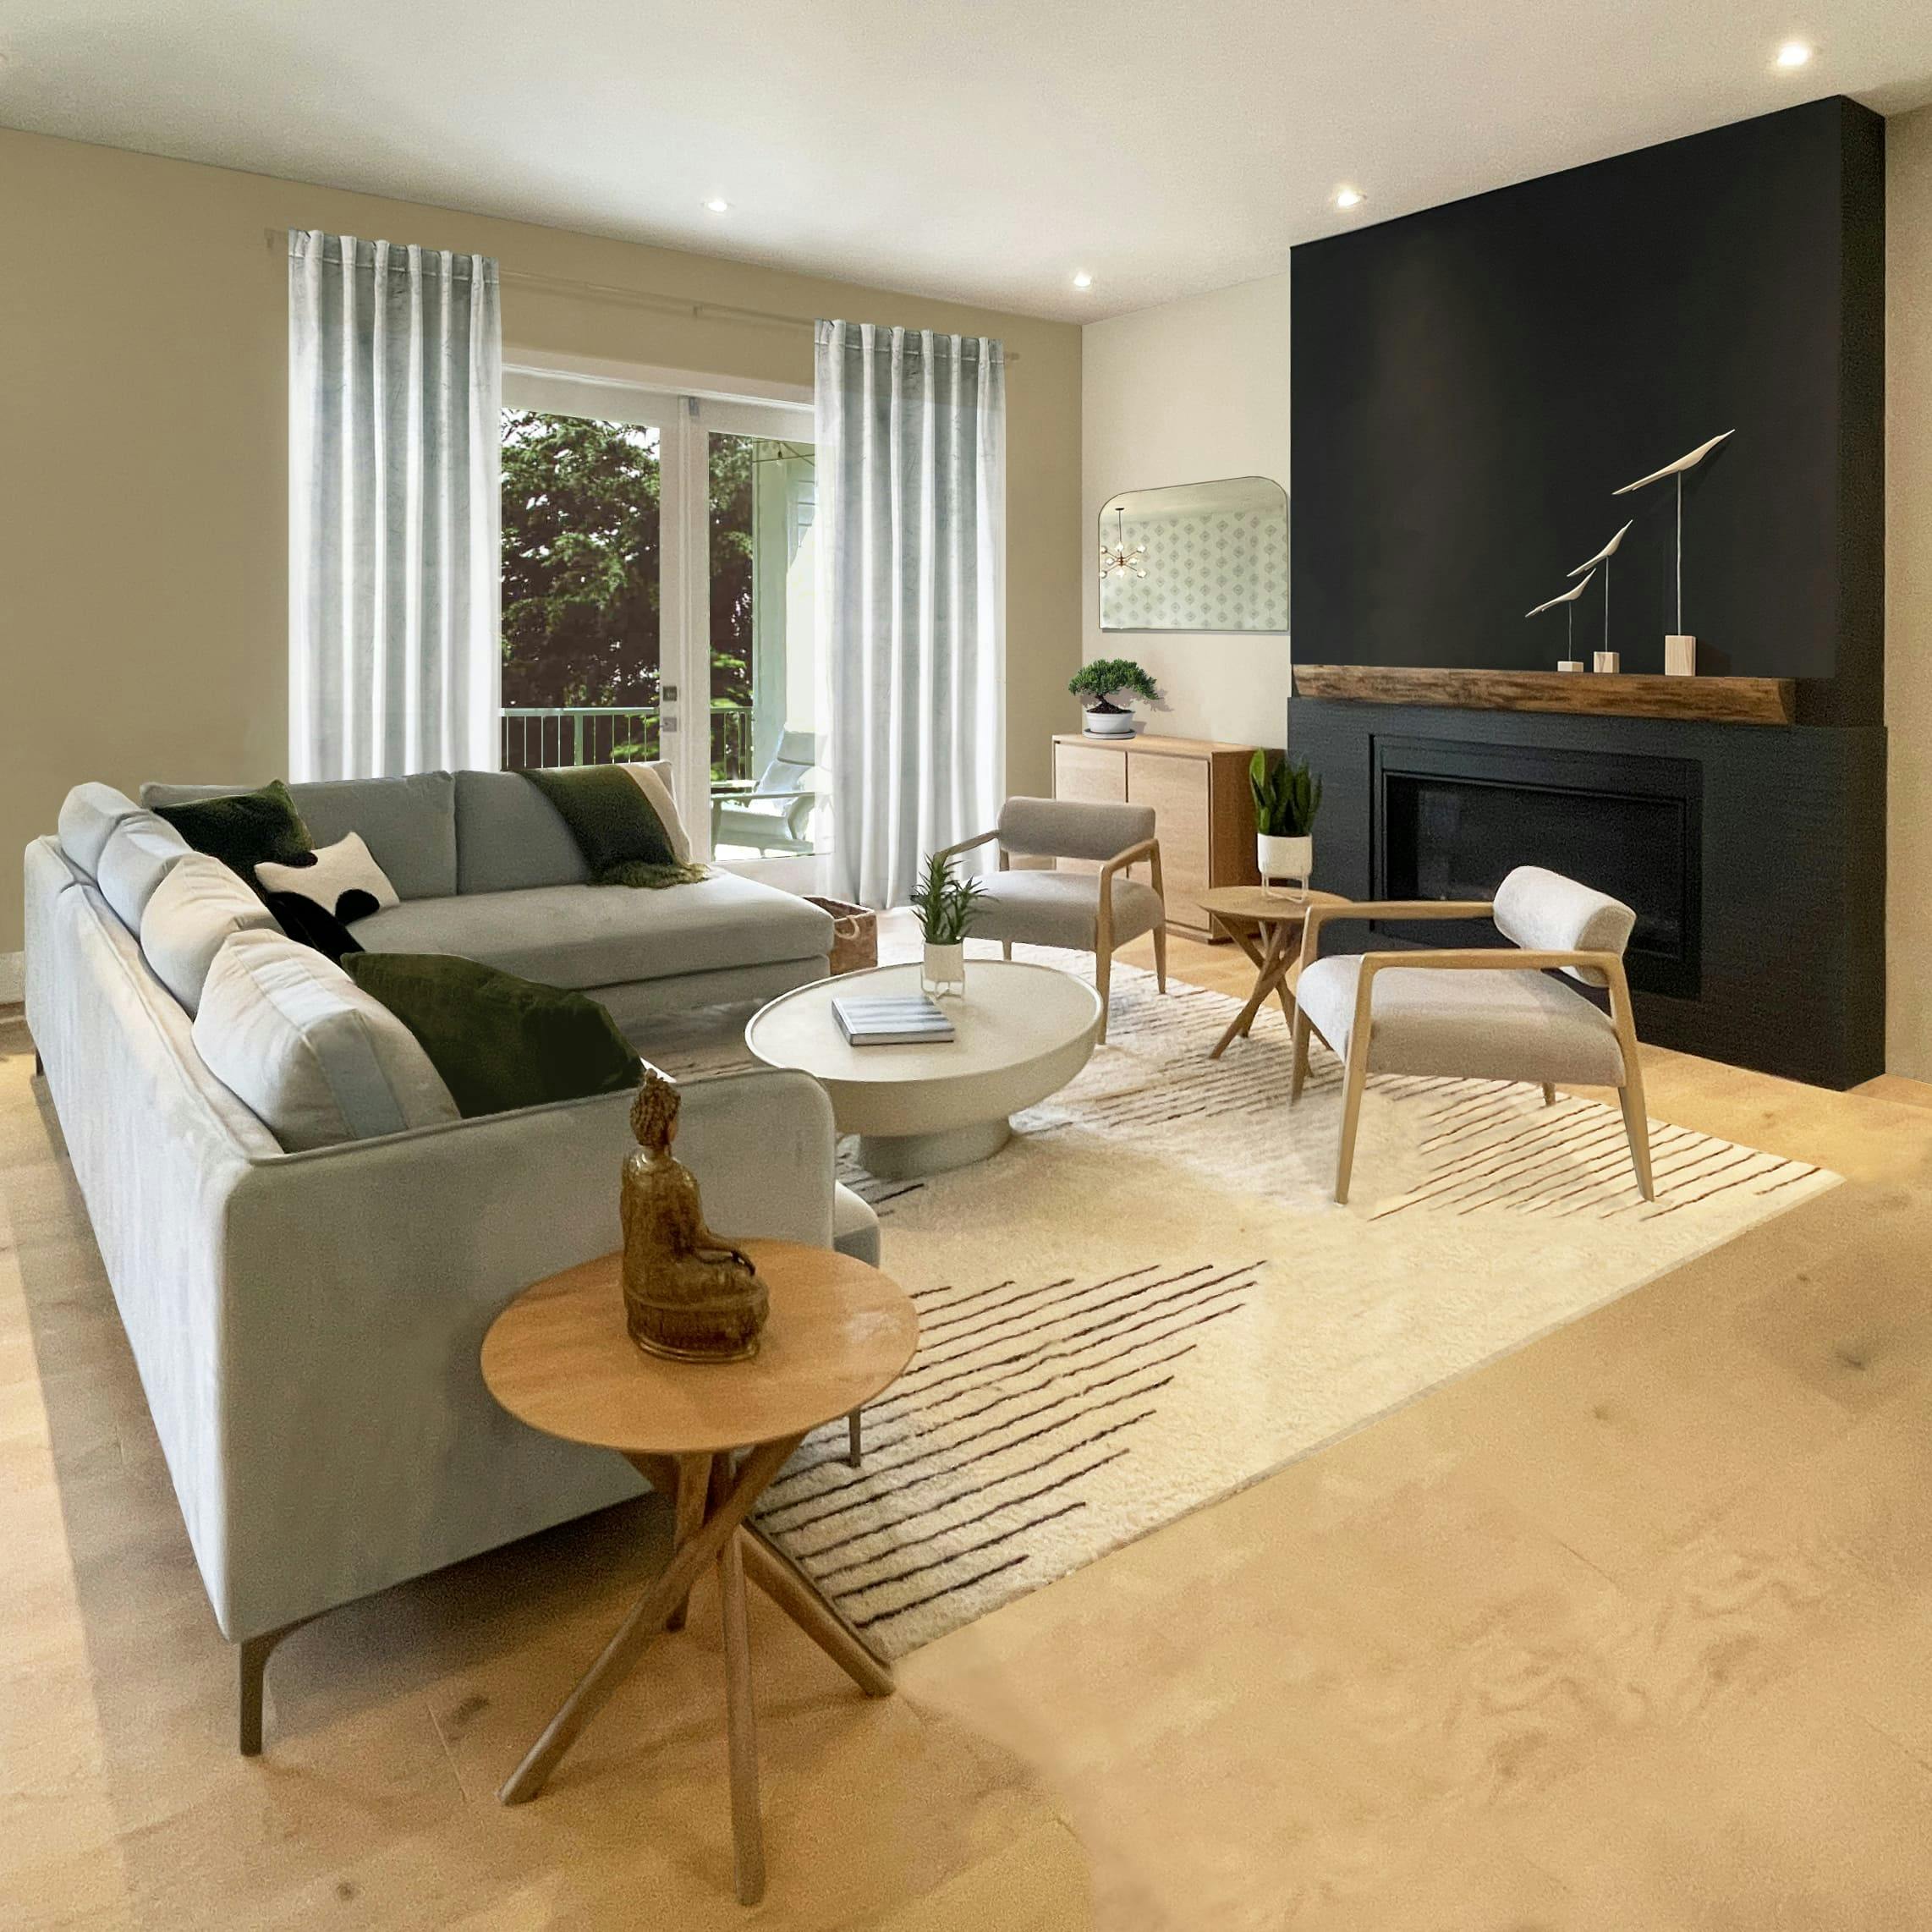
251,1661
851,1444
251,1656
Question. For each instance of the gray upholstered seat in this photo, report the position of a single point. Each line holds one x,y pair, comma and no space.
1058,908
1083,911
594,936
1478,1026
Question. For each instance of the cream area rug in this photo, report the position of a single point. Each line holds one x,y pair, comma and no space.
1149,1298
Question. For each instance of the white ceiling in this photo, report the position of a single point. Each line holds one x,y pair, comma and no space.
983,149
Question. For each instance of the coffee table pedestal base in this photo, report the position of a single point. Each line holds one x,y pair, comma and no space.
909,1157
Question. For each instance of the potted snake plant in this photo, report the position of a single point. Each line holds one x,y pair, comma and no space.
944,906
1287,798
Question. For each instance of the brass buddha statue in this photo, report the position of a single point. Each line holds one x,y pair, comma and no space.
688,1294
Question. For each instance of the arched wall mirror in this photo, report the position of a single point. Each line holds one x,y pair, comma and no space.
1197,556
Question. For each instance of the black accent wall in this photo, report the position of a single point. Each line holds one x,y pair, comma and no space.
1469,384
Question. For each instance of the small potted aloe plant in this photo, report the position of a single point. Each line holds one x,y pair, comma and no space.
1099,684
1287,798
944,906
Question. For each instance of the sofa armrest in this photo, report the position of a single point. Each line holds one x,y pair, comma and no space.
358,1444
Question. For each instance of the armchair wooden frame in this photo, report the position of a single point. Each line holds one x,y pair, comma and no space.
1147,849
1474,959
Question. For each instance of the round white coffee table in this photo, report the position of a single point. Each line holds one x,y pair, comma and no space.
1021,1032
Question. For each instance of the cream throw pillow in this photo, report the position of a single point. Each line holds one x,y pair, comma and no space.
306,1049
343,879
654,781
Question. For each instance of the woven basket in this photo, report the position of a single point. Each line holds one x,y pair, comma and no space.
854,935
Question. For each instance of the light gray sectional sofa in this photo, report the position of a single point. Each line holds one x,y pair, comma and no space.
487,868
306,1324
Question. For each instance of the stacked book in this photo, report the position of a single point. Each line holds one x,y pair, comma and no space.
896,1019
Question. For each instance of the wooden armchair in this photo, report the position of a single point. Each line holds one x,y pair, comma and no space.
1096,911
1480,1013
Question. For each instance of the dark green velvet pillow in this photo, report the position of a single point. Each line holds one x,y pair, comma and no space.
243,829
498,1041
624,841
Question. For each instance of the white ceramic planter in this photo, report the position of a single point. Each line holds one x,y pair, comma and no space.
1285,859
942,972
1118,723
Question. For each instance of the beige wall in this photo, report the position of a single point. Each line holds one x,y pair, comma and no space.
1909,591
143,454
1184,394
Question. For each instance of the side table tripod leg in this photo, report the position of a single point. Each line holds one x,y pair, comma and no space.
789,1587
646,1619
741,1717
693,1485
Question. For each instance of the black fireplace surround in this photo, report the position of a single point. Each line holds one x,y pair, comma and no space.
1754,856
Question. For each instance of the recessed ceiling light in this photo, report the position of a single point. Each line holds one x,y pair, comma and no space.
1082,279
1345,197
718,204
1795,54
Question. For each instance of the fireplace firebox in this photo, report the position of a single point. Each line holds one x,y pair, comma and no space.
1454,818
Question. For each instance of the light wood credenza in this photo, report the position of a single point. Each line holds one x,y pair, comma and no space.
1204,814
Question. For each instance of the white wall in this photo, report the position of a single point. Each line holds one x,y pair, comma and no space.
1187,392
1908,592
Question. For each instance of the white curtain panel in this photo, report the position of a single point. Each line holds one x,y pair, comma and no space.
395,389
911,595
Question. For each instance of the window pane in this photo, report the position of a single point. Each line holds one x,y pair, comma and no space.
765,774
581,604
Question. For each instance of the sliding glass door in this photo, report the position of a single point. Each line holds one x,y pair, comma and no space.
657,603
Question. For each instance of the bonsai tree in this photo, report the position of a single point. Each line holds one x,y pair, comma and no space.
1286,797
945,903
1097,685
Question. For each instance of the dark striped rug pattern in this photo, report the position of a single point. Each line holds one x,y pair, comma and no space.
1020,1393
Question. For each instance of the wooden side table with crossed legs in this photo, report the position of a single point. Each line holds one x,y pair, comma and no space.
1267,926
712,1435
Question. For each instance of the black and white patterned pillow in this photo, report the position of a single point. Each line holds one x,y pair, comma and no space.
343,879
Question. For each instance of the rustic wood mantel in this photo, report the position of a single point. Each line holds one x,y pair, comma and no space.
1709,700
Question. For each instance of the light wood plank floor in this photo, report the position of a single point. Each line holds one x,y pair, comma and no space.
1632,1629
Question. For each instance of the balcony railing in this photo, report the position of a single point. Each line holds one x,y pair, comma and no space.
538,736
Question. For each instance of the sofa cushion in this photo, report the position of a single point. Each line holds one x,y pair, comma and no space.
409,824
594,936
854,1226
88,815
140,852
313,1056
499,1042
190,916
510,837
1522,1026
242,828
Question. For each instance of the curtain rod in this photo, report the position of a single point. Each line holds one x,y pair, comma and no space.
686,305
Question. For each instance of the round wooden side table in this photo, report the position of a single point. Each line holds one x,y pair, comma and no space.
1267,926
559,1358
